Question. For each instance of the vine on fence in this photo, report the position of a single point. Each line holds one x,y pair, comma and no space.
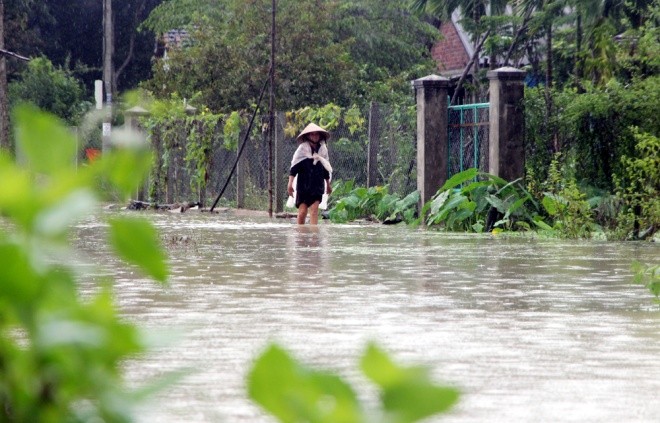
199,145
232,131
186,146
328,117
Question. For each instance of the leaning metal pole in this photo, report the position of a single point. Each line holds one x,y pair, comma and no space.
240,151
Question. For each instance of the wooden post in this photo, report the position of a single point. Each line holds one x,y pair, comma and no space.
108,71
4,90
156,191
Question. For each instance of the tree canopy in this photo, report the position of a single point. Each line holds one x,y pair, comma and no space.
51,89
333,51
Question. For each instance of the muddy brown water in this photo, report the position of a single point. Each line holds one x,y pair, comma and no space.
530,330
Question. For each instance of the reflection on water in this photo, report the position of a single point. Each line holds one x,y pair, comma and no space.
529,330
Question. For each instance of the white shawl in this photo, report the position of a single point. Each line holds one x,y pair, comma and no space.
304,151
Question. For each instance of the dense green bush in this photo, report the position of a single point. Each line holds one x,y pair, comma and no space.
590,129
567,208
638,188
51,89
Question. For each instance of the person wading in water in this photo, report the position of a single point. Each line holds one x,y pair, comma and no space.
311,170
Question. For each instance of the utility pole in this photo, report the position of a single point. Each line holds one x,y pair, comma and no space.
108,70
4,91
271,109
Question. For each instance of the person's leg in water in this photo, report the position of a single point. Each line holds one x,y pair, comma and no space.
314,213
302,213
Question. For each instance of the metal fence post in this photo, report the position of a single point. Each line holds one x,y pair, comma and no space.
432,138
279,162
507,123
241,173
133,124
374,142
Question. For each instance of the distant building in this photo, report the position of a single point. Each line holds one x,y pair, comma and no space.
176,38
453,52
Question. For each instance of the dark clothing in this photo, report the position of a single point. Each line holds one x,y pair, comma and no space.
310,186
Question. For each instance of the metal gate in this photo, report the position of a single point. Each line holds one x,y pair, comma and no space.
468,137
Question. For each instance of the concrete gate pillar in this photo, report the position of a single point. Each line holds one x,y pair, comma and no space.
431,93
507,123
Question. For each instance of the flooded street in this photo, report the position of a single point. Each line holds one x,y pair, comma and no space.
528,329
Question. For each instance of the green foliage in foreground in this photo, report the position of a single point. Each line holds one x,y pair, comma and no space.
293,392
60,355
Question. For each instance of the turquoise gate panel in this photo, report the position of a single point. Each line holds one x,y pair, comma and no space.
468,137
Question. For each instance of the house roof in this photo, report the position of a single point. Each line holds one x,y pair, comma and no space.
453,51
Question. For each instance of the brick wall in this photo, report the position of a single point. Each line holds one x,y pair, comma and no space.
449,52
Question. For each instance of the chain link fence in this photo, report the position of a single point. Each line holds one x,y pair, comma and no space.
468,137
382,152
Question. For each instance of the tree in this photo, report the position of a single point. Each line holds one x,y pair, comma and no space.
52,89
74,37
11,14
4,103
342,52
477,19
388,45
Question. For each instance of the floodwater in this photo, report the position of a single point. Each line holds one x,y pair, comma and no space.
529,330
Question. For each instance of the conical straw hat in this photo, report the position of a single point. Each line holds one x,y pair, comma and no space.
325,135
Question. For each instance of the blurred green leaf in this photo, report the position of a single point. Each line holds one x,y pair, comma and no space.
48,146
58,218
408,394
18,282
294,393
16,186
124,168
58,332
137,242
18,199
61,357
